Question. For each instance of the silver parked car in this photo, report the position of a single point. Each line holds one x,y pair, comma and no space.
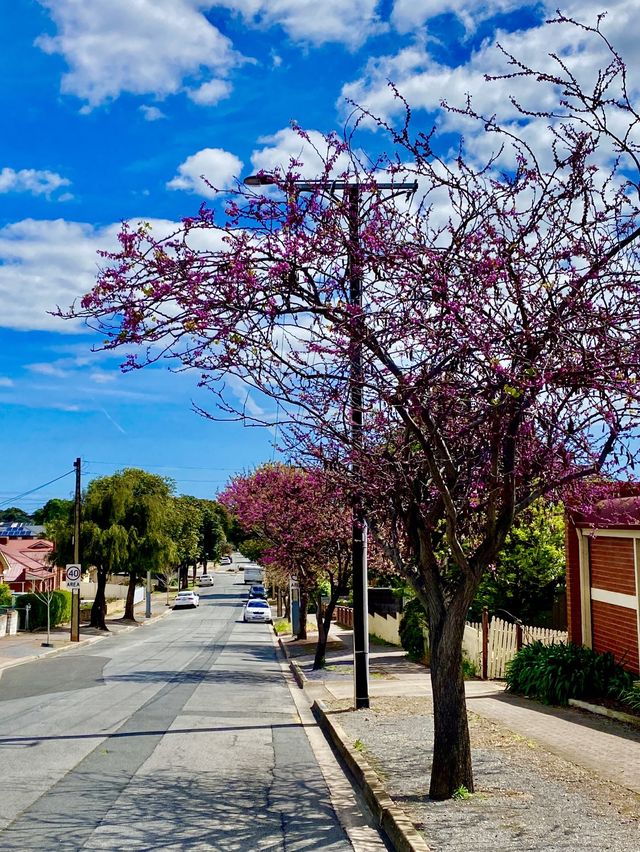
257,609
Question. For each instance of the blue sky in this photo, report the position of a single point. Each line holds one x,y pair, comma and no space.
112,109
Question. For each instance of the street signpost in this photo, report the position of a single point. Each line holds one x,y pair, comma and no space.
73,573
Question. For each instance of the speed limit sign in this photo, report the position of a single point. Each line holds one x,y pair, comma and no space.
73,576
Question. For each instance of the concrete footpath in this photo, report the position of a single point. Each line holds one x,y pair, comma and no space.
26,646
599,756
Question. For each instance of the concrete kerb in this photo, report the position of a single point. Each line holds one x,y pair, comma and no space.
392,819
298,675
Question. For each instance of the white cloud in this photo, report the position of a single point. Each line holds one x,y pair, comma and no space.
410,15
34,181
286,145
100,377
151,113
141,47
219,167
47,369
44,263
349,23
210,93
5,382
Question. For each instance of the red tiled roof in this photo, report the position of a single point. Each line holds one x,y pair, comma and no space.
615,513
21,556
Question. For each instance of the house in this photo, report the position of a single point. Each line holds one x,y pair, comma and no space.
603,579
24,564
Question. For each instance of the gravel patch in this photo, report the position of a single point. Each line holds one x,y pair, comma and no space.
526,799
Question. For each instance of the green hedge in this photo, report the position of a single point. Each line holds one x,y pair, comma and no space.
413,620
556,673
60,608
5,595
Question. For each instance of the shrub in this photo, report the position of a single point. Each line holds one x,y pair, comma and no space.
556,673
412,624
59,613
5,595
631,697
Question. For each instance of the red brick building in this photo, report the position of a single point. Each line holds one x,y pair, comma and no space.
603,579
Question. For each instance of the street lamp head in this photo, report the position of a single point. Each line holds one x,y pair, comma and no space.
262,179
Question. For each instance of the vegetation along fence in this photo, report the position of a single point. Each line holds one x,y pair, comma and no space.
502,640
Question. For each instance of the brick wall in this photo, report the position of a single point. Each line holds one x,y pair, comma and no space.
612,565
615,629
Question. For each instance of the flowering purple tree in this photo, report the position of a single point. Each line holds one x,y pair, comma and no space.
303,516
498,331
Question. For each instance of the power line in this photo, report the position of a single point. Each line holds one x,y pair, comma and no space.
158,466
33,490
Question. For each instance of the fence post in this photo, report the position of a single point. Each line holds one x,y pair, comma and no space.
518,637
485,642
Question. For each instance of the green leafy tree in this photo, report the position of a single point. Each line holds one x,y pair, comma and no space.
124,529
14,515
213,539
530,568
185,527
53,510
254,548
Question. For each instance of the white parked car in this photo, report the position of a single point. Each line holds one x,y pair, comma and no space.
205,580
257,609
226,560
187,598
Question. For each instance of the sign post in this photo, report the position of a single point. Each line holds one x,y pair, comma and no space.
73,573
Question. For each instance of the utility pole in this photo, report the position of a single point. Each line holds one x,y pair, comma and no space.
352,192
75,593
359,529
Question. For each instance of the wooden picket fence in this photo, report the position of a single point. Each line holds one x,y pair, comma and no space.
502,644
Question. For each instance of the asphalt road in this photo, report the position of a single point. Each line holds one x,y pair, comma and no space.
181,735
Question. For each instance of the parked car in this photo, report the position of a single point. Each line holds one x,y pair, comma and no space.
187,598
205,580
258,591
257,609
226,560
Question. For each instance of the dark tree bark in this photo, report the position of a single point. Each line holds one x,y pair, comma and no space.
129,614
99,608
302,613
452,749
324,625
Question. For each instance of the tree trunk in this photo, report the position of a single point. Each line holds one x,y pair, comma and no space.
99,608
302,613
324,625
452,749
129,614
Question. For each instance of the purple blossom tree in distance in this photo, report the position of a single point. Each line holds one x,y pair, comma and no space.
499,326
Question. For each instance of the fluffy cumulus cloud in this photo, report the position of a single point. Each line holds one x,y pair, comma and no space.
424,82
410,15
210,93
349,23
151,113
207,170
47,263
279,149
147,46
33,181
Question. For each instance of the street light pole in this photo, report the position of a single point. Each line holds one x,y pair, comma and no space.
352,191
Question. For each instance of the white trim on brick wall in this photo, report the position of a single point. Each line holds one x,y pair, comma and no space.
585,586
621,533
614,598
